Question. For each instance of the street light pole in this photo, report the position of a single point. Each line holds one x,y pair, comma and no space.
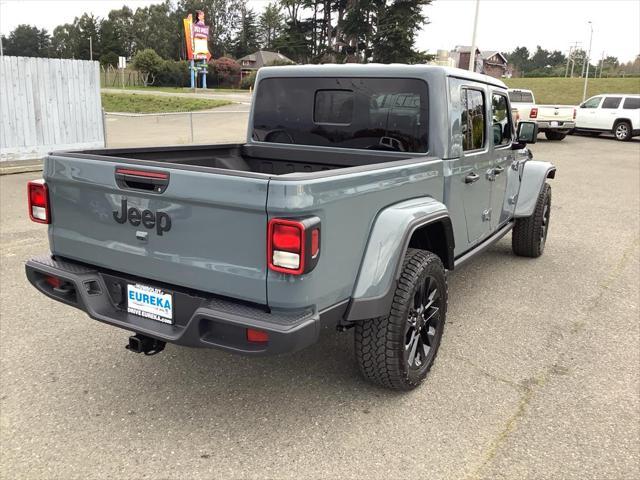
588,59
472,55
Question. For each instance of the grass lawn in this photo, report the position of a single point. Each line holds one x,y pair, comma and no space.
131,103
184,90
568,91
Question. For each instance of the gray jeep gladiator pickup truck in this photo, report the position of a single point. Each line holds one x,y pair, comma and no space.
358,187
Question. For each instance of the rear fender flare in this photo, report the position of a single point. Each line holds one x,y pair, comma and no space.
389,239
534,174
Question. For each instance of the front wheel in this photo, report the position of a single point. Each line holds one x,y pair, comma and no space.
551,135
397,350
622,131
530,233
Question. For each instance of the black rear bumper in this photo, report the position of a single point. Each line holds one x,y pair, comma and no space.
200,319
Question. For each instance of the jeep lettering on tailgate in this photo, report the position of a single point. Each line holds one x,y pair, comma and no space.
161,221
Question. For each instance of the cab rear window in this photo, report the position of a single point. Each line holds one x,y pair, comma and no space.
387,114
520,97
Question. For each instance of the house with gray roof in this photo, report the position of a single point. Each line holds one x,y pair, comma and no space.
262,58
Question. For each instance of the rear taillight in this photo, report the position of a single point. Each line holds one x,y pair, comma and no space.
293,246
533,113
38,196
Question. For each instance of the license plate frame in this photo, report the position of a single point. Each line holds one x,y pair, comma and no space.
555,124
150,302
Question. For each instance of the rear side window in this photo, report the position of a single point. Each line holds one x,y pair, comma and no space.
501,120
387,114
521,97
631,103
611,102
472,122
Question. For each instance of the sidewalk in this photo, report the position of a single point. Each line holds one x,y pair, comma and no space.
20,166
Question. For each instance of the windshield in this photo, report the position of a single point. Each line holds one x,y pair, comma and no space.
366,113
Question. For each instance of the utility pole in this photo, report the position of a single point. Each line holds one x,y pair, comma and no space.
566,72
588,58
472,55
572,57
90,48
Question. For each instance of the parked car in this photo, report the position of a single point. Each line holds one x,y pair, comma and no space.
555,121
610,113
358,187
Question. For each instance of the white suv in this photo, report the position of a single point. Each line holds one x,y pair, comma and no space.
616,113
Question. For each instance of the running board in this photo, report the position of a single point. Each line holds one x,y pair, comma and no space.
484,245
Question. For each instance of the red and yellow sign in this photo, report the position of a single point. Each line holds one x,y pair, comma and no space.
197,37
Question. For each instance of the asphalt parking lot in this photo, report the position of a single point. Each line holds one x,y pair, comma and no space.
537,377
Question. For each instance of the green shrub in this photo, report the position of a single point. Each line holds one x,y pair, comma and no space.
109,58
172,74
148,63
249,80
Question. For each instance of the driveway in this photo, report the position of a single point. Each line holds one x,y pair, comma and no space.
537,376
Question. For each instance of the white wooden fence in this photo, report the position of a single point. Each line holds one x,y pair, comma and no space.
48,104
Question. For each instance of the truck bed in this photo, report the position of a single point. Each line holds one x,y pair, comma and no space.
206,208
260,159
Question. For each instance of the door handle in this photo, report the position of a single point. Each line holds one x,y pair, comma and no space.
472,177
498,170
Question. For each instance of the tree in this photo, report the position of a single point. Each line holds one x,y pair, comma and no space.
271,25
65,41
396,28
116,32
88,26
247,39
158,27
109,59
519,58
27,41
148,63
557,58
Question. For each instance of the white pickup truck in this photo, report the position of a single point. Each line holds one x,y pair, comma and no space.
556,121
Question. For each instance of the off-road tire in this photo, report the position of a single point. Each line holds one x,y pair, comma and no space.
528,238
380,342
622,131
554,135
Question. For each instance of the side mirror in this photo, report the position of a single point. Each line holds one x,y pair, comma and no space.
527,132
582,105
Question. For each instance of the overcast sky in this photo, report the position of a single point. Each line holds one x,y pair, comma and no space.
502,24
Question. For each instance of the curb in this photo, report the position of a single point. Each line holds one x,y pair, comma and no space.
20,167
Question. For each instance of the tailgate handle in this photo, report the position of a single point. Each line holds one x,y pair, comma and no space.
145,180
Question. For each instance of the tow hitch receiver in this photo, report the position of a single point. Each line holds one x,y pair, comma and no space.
143,344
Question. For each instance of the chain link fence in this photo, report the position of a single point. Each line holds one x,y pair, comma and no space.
111,77
137,129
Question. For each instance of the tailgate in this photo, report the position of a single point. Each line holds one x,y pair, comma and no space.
550,112
197,229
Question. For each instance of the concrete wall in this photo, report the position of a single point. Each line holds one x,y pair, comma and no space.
48,104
